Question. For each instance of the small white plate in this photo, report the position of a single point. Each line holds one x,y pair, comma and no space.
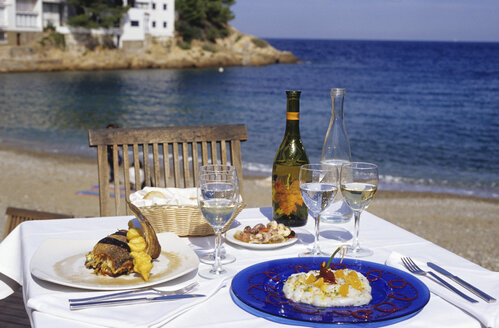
229,235
62,262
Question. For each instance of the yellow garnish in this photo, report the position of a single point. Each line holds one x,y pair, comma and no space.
137,244
142,262
339,274
319,283
353,280
133,233
310,279
343,290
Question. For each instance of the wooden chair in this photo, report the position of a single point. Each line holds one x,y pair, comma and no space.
12,311
17,215
165,156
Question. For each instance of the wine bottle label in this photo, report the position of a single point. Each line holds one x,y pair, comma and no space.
293,116
286,197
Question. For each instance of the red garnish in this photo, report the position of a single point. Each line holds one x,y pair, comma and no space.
327,274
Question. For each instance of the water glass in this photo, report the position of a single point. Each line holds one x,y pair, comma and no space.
318,187
218,198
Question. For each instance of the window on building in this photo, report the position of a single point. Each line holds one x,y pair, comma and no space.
51,8
142,5
153,23
134,23
164,24
3,37
25,5
153,5
164,6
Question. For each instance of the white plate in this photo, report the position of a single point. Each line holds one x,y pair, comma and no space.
63,262
230,237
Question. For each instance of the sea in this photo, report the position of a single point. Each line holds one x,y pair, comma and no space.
427,113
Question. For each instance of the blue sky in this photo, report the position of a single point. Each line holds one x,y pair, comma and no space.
445,20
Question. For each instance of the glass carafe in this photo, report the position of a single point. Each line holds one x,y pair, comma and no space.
336,151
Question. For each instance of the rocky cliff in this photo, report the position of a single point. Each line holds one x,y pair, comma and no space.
75,54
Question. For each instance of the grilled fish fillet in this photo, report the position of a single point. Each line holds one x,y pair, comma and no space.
111,255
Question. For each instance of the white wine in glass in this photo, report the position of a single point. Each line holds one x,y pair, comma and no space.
358,184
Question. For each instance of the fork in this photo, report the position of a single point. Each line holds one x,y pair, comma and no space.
413,268
141,292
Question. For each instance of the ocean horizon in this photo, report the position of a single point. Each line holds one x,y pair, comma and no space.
424,111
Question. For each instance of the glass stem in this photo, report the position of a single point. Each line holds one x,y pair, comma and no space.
355,244
316,249
217,265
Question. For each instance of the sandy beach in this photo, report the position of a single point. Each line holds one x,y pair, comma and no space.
49,182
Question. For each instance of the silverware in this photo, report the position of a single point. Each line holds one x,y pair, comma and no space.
138,292
128,301
473,289
412,267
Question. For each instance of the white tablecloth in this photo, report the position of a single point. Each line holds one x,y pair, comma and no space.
220,311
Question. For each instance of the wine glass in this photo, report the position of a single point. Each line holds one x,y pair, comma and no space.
218,197
225,257
358,184
318,187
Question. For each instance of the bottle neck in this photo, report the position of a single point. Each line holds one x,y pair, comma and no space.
337,106
293,117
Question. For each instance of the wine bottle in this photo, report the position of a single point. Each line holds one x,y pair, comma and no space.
287,204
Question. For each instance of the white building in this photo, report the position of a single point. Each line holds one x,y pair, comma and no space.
149,17
23,20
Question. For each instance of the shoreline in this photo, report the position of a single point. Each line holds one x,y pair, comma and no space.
80,54
387,187
465,225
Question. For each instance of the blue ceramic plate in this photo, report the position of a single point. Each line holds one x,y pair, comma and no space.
396,295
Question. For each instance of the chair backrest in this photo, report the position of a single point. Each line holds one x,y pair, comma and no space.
17,215
161,156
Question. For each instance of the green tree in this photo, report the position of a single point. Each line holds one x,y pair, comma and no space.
203,19
97,13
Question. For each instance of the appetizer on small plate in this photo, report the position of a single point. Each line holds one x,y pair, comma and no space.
261,236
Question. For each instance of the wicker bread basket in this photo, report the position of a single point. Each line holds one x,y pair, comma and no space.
184,220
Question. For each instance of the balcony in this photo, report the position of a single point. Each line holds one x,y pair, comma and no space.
26,19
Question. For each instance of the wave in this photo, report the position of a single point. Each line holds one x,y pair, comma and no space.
398,183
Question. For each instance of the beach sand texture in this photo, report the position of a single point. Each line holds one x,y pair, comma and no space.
464,225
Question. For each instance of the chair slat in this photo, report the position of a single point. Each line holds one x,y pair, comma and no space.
204,152
116,171
176,165
146,167
136,167
223,152
195,164
155,156
166,164
105,209
235,159
126,175
185,162
214,155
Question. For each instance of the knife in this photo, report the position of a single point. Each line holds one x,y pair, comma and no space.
128,301
474,290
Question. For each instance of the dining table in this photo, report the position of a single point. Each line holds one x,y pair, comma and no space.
46,302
